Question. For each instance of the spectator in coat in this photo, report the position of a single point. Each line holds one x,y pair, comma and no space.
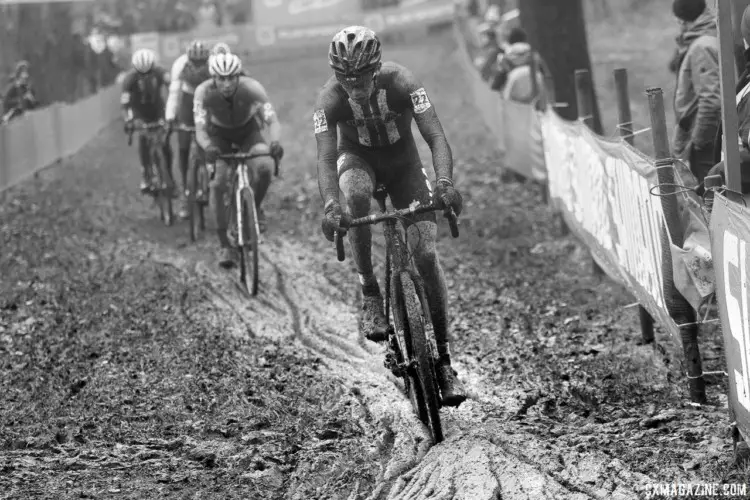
20,95
489,50
742,92
697,102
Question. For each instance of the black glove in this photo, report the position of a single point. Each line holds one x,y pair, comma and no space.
334,219
448,195
211,154
277,152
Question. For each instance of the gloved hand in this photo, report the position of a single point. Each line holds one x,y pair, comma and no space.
277,152
447,194
334,219
211,154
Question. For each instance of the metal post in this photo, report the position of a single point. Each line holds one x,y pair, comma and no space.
678,307
625,125
584,100
728,104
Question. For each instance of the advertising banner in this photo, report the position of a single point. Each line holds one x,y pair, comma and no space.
602,187
730,229
293,13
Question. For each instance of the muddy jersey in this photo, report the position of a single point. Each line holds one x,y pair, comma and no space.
249,102
142,93
185,76
383,123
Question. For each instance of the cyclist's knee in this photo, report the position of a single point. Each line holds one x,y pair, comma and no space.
356,185
221,174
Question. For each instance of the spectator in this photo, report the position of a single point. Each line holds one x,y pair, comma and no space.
513,75
697,101
489,50
743,113
20,95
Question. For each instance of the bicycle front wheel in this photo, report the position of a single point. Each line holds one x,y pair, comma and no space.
416,339
195,210
163,187
248,233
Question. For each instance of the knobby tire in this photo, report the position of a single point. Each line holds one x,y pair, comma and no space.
196,220
163,191
249,251
421,352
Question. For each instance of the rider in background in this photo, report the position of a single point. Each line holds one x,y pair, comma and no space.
142,101
188,71
231,110
372,105
19,96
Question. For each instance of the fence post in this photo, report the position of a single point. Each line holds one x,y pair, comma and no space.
678,307
536,93
585,101
625,125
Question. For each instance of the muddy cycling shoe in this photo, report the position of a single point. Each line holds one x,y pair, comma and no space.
372,321
262,222
452,390
227,258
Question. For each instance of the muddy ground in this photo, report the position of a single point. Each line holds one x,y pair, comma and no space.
131,367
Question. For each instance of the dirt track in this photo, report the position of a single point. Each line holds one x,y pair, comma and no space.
134,368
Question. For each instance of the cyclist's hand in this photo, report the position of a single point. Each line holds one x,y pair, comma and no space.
449,196
334,219
277,152
211,154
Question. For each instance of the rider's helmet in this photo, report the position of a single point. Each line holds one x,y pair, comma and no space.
197,51
354,50
225,65
143,60
221,48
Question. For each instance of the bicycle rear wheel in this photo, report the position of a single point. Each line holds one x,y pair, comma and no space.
247,224
163,188
426,391
195,211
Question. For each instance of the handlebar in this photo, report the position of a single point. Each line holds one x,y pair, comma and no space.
144,126
395,214
250,156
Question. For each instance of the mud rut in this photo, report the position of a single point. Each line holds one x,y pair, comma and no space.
307,296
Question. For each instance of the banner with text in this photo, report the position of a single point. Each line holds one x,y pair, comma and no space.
602,187
730,231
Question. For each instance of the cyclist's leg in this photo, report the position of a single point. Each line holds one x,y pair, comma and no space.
357,181
145,156
219,184
184,139
262,168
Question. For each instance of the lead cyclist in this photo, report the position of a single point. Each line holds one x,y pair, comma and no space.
372,104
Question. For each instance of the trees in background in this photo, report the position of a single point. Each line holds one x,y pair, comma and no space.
557,30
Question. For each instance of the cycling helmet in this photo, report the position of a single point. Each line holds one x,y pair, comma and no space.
221,48
143,60
197,51
354,50
225,65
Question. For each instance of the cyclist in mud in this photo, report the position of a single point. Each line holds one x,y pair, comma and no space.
142,101
231,109
188,71
372,104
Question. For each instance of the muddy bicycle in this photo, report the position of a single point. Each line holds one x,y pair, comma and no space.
162,186
244,217
197,190
411,354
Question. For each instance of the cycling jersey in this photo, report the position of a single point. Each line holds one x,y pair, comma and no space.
142,95
382,125
186,77
249,102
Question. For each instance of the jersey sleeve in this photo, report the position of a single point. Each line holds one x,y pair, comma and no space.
200,115
324,127
174,88
260,98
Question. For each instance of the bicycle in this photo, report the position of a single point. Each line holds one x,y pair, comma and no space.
411,355
161,183
197,190
246,217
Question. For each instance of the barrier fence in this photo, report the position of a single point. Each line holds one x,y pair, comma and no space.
43,136
608,194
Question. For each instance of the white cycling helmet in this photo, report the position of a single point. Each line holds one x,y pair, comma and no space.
225,65
143,60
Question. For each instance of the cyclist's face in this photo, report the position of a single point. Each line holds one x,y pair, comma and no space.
22,77
359,88
227,85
